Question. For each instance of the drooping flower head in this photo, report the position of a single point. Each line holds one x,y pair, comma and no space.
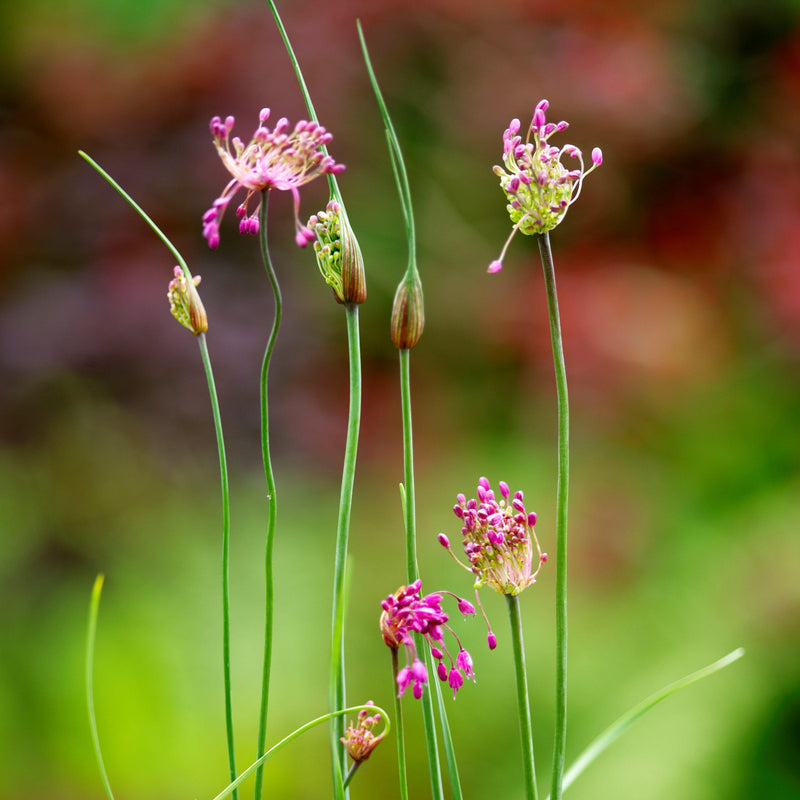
185,304
499,539
539,188
338,255
282,158
358,739
407,612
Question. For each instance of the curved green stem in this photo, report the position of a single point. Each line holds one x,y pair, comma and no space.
562,497
398,720
258,764
523,698
271,498
337,676
91,631
620,725
174,250
226,538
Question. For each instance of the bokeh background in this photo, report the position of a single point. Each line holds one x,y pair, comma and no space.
680,294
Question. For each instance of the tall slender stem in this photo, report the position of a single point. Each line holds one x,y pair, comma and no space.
337,677
412,569
226,538
400,735
523,698
271,498
562,496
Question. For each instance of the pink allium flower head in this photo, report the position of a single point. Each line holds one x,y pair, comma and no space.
407,612
282,158
358,739
499,541
538,187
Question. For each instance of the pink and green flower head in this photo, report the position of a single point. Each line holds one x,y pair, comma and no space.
283,158
499,539
407,612
185,303
358,739
538,187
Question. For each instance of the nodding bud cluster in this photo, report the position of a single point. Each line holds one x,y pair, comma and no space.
539,188
406,613
499,539
338,254
185,303
283,158
408,313
358,739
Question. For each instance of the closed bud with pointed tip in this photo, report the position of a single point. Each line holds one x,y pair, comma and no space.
408,314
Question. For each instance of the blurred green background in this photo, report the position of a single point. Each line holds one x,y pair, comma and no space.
680,294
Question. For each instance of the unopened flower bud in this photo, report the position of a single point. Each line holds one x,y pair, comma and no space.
185,303
408,314
338,254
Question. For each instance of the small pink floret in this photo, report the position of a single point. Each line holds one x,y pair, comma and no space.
495,266
443,540
597,156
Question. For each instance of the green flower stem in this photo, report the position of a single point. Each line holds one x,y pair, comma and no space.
523,698
91,631
333,185
412,569
398,721
562,498
337,677
171,247
271,498
258,764
447,741
350,773
226,538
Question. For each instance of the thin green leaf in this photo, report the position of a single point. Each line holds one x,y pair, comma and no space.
398,164
94,607
616,729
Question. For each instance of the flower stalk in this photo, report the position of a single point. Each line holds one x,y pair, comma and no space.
523,698
272,502
562,500
342,268
226,538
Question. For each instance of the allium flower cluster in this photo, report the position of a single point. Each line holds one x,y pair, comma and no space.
405,613
358,739
539,188
185,304
281,158
499,539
